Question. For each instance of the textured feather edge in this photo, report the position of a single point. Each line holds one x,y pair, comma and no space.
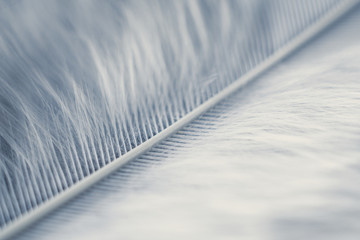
26,220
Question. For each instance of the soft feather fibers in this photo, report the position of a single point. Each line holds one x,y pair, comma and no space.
84,82
279,160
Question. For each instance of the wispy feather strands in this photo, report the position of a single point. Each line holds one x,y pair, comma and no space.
279,159
85,82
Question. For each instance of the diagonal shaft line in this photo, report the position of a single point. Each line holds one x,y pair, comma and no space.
26,220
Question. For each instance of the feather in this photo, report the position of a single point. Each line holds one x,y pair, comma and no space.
85,83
